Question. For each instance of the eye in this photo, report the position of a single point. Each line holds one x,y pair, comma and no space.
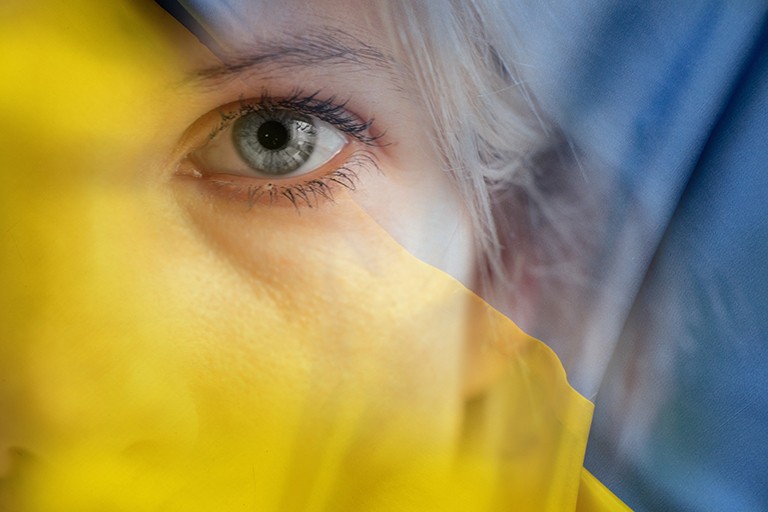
294,150
270,143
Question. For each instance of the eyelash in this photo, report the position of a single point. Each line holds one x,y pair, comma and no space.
328,110
305,193
310,192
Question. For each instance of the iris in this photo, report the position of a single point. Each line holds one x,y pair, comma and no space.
274,142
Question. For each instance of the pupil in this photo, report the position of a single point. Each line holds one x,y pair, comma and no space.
273,135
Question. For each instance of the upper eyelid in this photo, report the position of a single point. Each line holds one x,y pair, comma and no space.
329,110
208,126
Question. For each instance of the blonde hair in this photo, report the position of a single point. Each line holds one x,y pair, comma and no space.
463,57
535,212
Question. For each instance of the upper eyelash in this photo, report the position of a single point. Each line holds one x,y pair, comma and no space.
328,110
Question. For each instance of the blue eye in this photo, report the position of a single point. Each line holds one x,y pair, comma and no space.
270,143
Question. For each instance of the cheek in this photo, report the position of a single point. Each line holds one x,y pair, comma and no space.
165,337
325,285
416,203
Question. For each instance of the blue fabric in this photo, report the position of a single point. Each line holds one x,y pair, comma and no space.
674,98
194,22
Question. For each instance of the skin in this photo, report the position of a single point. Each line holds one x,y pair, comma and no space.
428,218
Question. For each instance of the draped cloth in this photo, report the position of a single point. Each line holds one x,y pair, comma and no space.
326,378
668,102
121,390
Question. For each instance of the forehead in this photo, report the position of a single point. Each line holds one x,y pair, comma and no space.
235,25
303,41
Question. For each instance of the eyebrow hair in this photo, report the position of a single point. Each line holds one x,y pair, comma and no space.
323,46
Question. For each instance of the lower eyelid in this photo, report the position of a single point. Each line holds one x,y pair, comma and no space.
307,191
351,153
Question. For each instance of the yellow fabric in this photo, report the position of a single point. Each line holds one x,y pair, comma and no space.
595,496
330,373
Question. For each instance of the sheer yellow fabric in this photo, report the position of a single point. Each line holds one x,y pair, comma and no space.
333,372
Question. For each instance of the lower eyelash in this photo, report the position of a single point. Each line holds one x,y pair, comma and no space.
306,194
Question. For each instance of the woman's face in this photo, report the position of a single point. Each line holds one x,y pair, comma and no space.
321,58
163,296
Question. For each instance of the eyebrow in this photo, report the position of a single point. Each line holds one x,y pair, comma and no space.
320,47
